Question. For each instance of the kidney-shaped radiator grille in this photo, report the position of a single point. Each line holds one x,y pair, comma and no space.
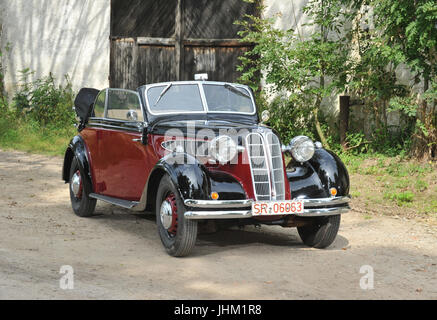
267,166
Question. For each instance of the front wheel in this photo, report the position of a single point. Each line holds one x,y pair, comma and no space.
83,205
178,235
321,232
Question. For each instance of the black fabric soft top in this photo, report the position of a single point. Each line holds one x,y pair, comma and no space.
84,102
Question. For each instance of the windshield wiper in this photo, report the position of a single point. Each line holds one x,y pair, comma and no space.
234,89
163,93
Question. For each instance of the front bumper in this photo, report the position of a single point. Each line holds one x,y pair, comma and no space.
242,209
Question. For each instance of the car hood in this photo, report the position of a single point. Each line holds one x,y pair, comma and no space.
187,126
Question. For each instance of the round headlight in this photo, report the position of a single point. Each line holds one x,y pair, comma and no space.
223,149
302,148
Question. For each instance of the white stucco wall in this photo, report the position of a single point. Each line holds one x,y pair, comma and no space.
289,15
57,36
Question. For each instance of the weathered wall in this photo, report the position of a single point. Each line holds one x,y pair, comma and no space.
61,37
289,15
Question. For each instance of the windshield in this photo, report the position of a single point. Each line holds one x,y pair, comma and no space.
175,98
187,98
228,98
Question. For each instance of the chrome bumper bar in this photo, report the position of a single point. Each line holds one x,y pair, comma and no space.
313,208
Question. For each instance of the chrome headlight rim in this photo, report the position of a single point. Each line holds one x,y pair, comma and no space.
216,152
302,149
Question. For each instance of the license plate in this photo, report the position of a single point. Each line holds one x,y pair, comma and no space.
275,208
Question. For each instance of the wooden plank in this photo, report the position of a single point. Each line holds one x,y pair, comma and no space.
179,36
156,64
147,41
122,39
218,62
207,19
143,18
344,118
216,43
132,66
123,65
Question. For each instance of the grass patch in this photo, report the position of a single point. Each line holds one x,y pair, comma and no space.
394,186
29,136
400,197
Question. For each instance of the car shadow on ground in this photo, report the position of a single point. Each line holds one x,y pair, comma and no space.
144,226
268,236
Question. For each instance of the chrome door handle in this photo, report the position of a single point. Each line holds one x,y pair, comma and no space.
137,140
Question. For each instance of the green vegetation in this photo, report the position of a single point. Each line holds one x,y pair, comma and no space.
40,118
355,49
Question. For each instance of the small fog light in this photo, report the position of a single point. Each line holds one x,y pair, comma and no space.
333,192
215,196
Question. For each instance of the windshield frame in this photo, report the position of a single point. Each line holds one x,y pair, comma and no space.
202,96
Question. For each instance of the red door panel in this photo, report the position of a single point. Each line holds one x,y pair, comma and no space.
122,165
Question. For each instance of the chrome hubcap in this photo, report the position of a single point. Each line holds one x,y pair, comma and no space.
166,214
76,184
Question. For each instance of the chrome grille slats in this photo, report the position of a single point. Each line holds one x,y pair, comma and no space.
258,165
277,166
266,163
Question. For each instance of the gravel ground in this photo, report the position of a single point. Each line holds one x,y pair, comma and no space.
118,255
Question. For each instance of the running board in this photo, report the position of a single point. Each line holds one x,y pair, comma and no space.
118,202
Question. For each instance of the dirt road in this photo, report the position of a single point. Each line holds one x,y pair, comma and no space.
118,255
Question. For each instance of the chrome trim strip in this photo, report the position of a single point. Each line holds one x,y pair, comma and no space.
315,203
116,125
245,214
323,212
309,203
202,97
218,203
200,215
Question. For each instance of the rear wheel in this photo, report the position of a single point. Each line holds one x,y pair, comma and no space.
178,235
321,232
82,204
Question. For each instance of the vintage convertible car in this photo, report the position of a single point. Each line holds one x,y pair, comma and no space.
195,152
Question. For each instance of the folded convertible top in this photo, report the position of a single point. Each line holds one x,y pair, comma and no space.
84,103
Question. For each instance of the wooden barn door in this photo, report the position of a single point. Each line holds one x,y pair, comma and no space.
156,41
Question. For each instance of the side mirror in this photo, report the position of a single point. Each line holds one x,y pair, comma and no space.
265,116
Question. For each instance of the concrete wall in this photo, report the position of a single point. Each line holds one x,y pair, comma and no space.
57,36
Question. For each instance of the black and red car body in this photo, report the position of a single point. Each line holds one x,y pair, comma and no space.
196,151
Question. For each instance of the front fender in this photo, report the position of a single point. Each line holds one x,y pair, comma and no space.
77,148
316,177
189,176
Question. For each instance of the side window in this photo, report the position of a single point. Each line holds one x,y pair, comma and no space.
99,106
124,105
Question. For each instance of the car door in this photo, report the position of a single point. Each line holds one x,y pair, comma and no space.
121,162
